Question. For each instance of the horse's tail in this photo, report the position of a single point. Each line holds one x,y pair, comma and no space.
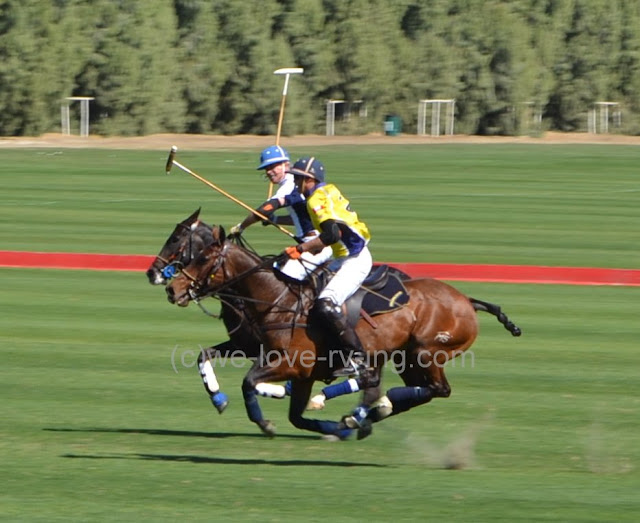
497,312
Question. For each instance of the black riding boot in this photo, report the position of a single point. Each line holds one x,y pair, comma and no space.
353,355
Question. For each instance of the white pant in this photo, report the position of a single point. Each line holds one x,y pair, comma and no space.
300,268
351,271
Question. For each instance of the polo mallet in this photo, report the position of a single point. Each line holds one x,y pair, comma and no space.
171,161
287,71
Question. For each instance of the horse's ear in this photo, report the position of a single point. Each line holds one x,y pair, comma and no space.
219,236
192,219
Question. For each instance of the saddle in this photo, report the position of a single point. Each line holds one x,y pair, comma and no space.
381,292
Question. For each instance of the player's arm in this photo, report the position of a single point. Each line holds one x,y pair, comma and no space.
329,234
266,209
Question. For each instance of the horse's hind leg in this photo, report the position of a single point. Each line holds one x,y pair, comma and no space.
424,380
403,399
300,392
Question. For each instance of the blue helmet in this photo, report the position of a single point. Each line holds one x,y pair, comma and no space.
271,155
309,167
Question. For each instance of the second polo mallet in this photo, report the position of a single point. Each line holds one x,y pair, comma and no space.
287,72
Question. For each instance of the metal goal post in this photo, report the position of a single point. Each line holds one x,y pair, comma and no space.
598,117
346,108
84,114
436,110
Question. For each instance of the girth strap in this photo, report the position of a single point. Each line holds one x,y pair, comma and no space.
283,326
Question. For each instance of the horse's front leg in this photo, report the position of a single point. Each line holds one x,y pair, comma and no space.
206,360
256,375
369,384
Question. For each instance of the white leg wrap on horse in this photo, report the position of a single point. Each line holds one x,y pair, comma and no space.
317,402
271,390
209,376
353,383
384,406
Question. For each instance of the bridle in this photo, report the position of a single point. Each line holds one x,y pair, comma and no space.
177,261
196,284
198,289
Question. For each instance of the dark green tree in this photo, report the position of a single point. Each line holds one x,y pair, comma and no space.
133,70
204,63
250,97
627,65
581,72
305,29
34,58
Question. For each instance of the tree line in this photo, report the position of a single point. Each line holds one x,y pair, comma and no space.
206,66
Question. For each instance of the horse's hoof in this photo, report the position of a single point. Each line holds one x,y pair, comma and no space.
351,422
268,428
356,420
342,433
316,403
220,401
365,430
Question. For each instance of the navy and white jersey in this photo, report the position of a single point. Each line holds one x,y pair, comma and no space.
296,205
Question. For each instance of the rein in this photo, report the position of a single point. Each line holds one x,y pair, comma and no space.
196,289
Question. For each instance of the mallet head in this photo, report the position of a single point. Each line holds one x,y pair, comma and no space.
289,70
172,155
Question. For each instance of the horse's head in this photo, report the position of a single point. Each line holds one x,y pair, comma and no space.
184,244
203,275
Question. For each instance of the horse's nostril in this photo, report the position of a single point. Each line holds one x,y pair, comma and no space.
170,291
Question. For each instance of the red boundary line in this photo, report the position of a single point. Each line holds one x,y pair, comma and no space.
441,271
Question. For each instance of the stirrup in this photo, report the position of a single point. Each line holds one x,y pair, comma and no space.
353,368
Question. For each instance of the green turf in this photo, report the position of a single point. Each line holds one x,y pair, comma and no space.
519,204
104,416
97,424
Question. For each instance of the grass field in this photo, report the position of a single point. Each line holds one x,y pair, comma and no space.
518,204
104,417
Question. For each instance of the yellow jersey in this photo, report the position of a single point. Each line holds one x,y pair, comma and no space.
327,203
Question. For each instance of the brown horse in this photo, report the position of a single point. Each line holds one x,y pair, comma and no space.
184,244
436,325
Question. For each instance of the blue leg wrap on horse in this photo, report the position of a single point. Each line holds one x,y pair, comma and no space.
287,388
339,389
344,433
322,426
404,398
253,407
360,413
219,398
